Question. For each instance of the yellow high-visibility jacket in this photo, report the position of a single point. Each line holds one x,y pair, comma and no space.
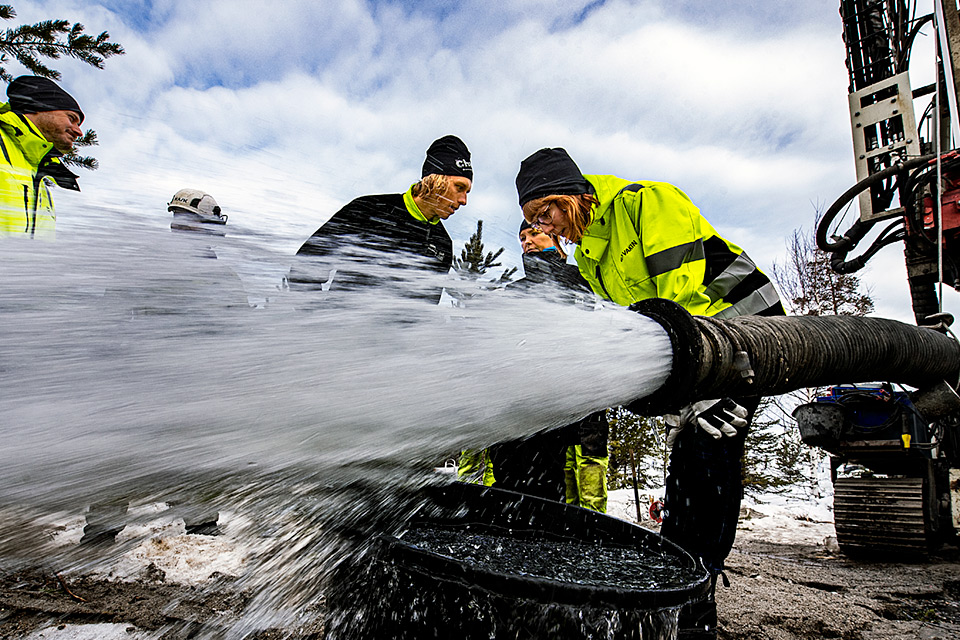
28,166
648,240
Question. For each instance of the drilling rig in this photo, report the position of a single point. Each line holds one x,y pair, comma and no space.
905,494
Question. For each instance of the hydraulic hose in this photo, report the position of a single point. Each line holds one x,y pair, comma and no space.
893,233
754,355
850,239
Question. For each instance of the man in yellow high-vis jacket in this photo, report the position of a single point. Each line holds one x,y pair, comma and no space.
39,123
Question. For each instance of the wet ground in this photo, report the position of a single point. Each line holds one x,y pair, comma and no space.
789,591
38,603
783,586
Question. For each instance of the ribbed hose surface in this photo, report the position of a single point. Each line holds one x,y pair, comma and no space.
793,352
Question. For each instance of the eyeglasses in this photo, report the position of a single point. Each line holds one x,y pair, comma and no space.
545,217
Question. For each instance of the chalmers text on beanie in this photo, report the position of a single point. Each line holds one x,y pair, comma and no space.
448,156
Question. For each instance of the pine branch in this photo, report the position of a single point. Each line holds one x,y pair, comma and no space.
88,139
84,162
507,274
28,43
73,159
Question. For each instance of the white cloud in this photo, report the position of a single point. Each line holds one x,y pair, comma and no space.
286,111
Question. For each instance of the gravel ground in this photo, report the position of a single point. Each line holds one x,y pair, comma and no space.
783,592
787,580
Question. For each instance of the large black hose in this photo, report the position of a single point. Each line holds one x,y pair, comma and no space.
753,355
793,352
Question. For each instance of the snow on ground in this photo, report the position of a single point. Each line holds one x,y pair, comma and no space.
772,518
192,559
621,503
183,559
164,544
103,631
781,520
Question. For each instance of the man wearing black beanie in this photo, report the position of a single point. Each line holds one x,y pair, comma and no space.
408,223
38,124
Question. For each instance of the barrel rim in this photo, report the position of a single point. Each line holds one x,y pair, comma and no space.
446,569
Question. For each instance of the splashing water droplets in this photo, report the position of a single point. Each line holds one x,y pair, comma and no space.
135,365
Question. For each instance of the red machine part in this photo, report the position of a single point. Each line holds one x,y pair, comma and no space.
950,207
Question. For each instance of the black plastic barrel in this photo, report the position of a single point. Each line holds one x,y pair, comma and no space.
400,587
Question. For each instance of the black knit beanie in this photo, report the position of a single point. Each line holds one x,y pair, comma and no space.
33,94
448,156
549,172
524,225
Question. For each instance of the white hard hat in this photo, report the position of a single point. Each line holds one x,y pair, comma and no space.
197,202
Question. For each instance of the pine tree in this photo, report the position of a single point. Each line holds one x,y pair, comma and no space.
774,455
634,440
29,44
473,262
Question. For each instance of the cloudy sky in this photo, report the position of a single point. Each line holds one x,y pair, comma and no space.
285,111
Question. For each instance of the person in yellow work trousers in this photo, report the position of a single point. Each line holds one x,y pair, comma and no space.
531,465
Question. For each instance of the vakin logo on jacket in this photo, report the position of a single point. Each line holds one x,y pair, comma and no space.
630,247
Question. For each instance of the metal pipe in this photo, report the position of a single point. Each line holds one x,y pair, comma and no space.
754,355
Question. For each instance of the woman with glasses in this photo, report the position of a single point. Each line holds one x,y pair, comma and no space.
637,240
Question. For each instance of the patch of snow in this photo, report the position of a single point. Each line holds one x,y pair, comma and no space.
103,631
778,525
771,518
783,519
65,530
165,550
182,558
622,504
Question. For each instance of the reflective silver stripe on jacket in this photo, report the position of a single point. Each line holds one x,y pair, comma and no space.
760,300
733,275
661,262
